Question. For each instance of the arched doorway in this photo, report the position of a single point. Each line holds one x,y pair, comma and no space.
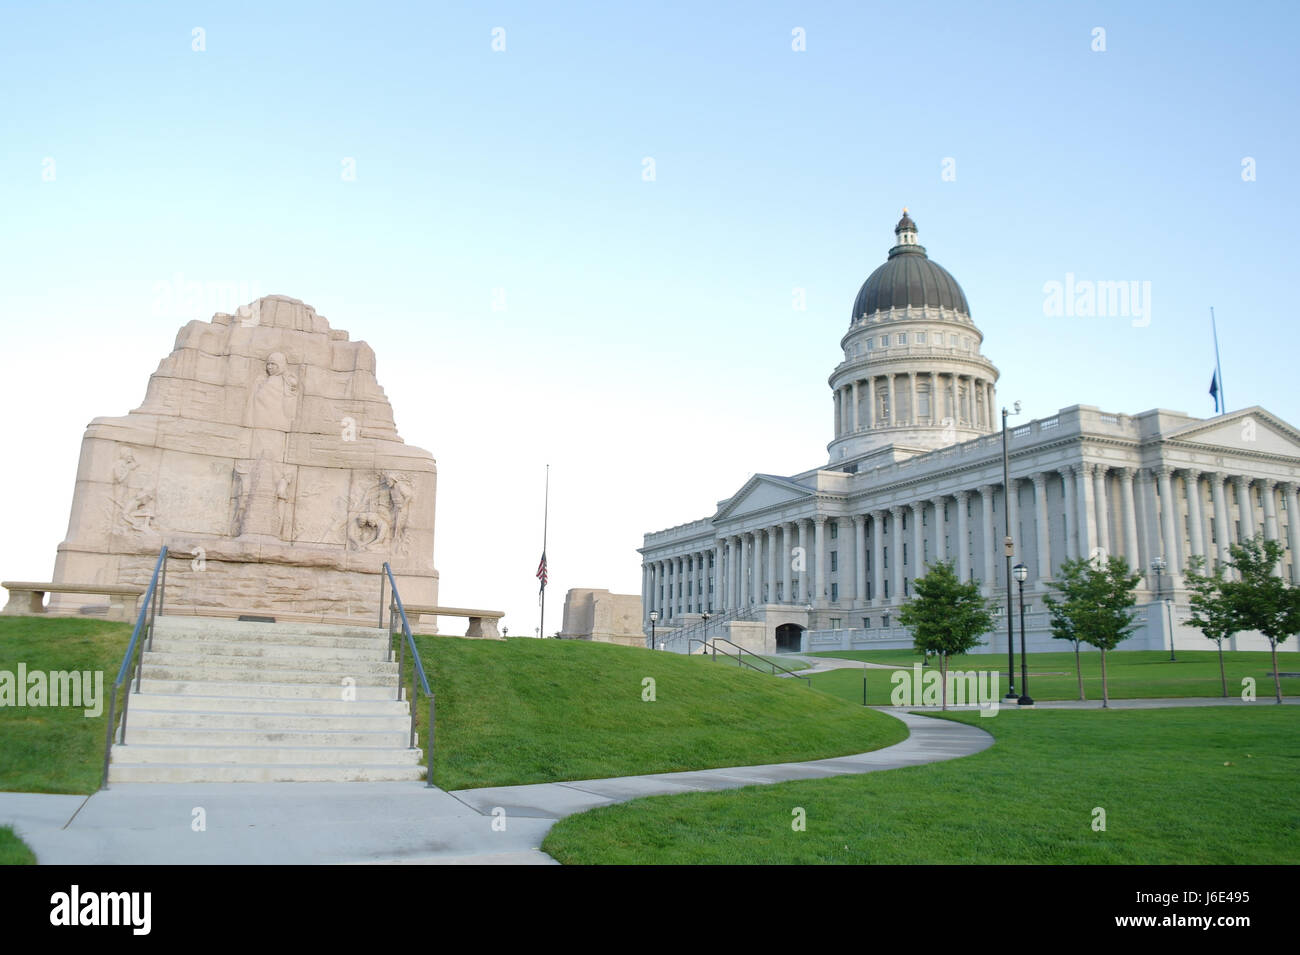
789,638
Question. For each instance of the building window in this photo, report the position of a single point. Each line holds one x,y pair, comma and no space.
952,341
835,561
906,581
835,623
886,590
835,596
866,623
884,341
904,553
920,338
835,529
905,520
884,556
902,338
871,344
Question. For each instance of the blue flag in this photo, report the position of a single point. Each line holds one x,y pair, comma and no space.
1214,390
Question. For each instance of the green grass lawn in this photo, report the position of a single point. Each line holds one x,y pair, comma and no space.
1131,674
13,851
56,749
1178,786
529,711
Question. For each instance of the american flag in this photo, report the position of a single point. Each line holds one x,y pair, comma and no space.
541,570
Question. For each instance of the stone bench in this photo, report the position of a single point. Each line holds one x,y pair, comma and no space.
27,598
482,623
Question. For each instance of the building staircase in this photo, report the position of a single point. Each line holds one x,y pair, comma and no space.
238,701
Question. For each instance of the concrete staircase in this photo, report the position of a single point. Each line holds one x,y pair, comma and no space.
233,701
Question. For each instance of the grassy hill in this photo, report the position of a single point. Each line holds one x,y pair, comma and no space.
529,711
514,711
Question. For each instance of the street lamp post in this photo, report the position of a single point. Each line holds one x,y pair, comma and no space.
1007,548
1158,565
1021,573
654,619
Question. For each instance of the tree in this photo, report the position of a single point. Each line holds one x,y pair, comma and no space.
1212,611
1063,629
946,616
1261,600
1097,606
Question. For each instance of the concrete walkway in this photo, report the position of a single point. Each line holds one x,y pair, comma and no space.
390,822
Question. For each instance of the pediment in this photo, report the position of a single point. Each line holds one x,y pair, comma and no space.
1252,430
761,492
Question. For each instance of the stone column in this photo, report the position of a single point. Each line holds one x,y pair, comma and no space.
918,540
940,550
742,591
802,586
854,416
913,417
1131,551
896,535
771,564
653,602
1266,491
1087,514
725,572
1042,528
871,401
860,559
877,557
1012,502
1219,501
1102,506
1292,493
1071,513
1169,524
821,592
1192,479
893,408
787,559
988,573
1245,509
963,535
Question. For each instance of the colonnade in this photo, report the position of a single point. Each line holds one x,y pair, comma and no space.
1078,510
913,398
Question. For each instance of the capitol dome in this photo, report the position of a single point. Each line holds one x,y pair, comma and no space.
908,280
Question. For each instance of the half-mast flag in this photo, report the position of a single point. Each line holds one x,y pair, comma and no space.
1214,390
541,570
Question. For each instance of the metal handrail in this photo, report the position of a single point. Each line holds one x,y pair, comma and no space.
149,609
703,625
774,665
397,611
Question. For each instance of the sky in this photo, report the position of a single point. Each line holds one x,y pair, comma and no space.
578,234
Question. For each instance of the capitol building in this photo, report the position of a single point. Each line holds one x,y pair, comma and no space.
823,559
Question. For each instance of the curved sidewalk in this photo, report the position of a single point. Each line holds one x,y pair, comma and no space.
323,823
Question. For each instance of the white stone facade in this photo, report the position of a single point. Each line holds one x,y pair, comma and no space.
918,477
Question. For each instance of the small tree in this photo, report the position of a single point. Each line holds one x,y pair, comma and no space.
1063,629
1212,611
1261,600
1097,605
946,616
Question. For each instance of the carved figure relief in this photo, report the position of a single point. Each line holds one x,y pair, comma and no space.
273,399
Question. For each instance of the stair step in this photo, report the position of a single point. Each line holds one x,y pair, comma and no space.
181,624
258,773
328,674
272,721
211,647
133,753
278,736
299,691
305,706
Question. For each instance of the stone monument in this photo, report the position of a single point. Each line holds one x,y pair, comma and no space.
594,614
266,458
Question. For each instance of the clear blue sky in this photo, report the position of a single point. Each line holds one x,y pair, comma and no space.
648,347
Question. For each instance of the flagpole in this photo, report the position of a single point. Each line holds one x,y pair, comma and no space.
1218,370
546,515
